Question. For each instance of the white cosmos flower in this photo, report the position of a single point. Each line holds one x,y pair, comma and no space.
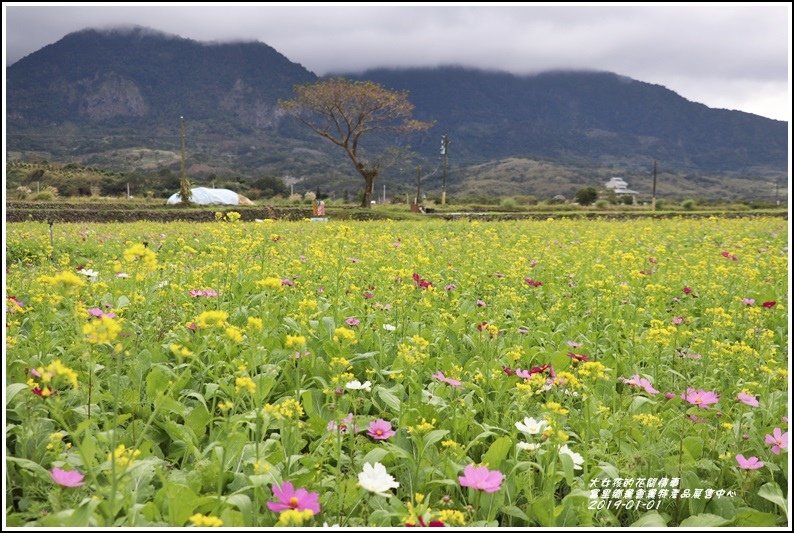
375,478
577,459
90,274
530,447
530,426
357,385
389,327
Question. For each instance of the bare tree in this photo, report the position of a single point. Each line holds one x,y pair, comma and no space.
345,111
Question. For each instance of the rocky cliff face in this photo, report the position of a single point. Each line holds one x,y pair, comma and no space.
111,97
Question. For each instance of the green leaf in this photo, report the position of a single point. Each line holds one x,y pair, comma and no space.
30,466
650,519
433,437
497,452
694,447
512,510
567,467
752,518
640,403
704,520
198,420
81,517
14,389
375,455
392,401
543,510
157,382
771,492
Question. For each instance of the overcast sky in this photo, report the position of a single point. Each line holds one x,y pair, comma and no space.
734,57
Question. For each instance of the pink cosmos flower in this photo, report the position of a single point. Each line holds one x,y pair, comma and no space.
778,440
573,344
98,313
748,301
523,330
700,397
380,429
669,395
286,282
687,290
481,303
480,478
451,287
678,320
449,381
769,304
638,381
347,424
368,295
352,321
753,463
67,478
289,498
197,293
747,399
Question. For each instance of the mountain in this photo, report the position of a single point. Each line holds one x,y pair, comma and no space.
112,99
593,116
141,77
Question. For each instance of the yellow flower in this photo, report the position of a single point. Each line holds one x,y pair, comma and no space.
648,420
293,517
592,370
255,324
555,407
101,330
343,334
123,456
422,427
225,406
140,253
295,341
68,282
270,283
234,333
200,520
452,517
209,319
245,383
180,351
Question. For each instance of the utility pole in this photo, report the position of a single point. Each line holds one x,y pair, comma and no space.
418,184
384,194
444,150
777,191
184,185
653,193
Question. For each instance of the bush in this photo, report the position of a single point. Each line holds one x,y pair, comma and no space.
43,196
310,196
526,200
688,205
295,198
602,204
508,202
586,196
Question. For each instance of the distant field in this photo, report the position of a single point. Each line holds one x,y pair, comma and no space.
495,374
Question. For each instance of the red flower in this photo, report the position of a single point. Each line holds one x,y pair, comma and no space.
687,290
578,357
770,303
533,282
421,282
509,371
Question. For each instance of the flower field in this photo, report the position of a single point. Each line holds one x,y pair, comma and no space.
548,373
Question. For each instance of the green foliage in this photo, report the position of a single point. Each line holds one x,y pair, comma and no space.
586,196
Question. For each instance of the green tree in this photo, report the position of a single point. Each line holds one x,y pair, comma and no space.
586,196
346,112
